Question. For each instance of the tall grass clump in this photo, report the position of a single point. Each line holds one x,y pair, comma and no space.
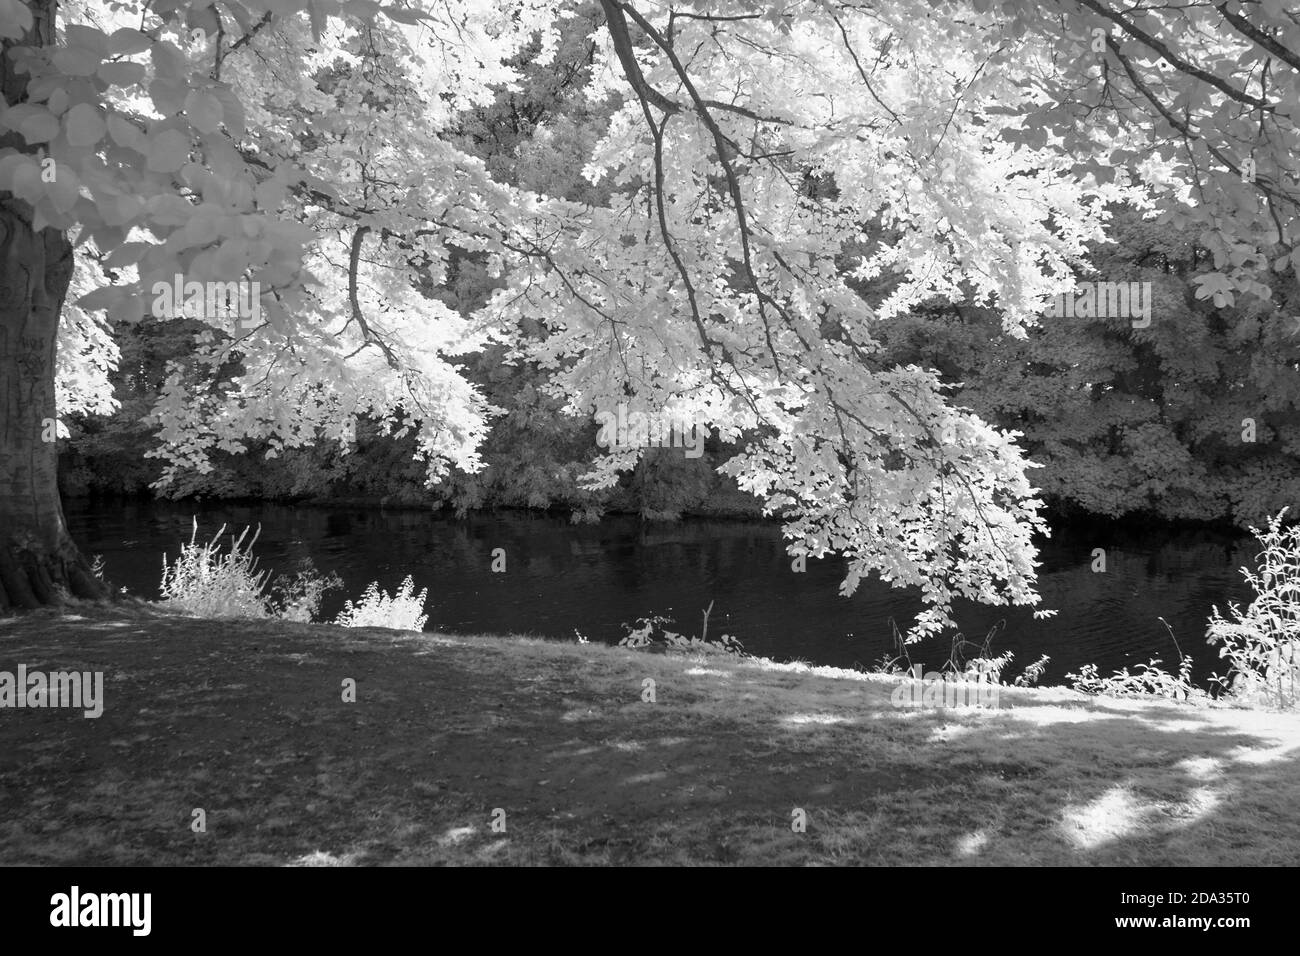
1150,680
1259,643
401,610
207,582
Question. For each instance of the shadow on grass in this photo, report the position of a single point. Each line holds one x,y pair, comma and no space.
247,722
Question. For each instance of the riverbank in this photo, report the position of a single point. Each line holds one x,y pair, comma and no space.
246,721
725,504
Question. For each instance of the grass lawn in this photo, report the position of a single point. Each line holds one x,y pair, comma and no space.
246,720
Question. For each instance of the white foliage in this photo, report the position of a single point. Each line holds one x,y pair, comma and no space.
402,610
743,294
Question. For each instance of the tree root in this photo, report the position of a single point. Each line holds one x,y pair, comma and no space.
31,580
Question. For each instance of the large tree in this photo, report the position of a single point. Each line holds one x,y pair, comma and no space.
762,162
37,556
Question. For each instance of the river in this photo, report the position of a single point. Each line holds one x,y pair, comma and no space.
560,577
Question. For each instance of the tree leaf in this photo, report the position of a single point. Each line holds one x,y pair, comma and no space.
168,151
40,126
85,127
127,42
204,111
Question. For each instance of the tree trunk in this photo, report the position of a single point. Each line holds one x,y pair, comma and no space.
39,563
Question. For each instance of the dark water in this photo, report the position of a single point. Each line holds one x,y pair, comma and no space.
594,578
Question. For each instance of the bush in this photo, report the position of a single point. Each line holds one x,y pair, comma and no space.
1151,679
1033,673
401,611
984,668
653,636
1260,642
206,583
298,598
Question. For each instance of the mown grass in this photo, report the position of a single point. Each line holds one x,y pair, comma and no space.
245,719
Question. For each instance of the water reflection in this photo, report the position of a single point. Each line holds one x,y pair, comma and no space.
594,578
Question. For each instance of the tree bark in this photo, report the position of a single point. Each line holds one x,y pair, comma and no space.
39,563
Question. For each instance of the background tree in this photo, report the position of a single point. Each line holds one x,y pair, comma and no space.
1135,421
